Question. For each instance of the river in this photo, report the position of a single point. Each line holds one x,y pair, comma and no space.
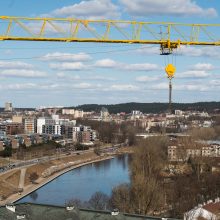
81,183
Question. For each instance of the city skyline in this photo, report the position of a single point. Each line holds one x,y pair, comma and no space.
70,74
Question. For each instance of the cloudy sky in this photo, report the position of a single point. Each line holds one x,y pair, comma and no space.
36,74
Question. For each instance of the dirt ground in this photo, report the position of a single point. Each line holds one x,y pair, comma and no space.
3,161
39,168
9,183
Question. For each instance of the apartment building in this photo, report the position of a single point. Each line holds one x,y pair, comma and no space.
74,112
83,134
8,107
181,153
30,125
55,126
14,128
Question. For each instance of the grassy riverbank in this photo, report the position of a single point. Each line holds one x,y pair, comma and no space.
9,182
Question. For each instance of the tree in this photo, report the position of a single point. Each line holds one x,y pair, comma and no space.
99,201
146,185
121,198
97,150
7,152
203,133
74,202
33,177
131,136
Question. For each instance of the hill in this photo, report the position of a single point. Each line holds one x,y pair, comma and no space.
151,107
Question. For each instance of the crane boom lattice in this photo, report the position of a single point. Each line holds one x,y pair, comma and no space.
167,35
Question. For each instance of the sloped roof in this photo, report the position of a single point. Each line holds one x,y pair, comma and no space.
52,212
213,208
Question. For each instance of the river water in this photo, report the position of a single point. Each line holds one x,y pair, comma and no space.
83,182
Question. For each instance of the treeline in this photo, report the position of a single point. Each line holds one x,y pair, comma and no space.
110,132
151,107
151,193
19,109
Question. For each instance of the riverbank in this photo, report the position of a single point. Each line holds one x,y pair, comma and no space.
43,181
68,163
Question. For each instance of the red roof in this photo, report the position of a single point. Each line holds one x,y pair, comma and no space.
213,208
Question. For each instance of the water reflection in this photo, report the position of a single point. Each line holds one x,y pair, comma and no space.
98,201
83,182
34,196
102,165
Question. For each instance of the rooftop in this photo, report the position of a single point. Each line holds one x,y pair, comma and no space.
213,208
51,212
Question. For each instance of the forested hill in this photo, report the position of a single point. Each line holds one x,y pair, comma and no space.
151,107
18,109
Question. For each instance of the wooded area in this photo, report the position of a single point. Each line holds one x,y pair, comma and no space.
151,107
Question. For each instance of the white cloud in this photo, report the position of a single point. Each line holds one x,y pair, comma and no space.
91,9
82,86
149,50
203,66
85,85
109,63
160,86
106,63
33,86
101,78
62,28
166,7
141,67
66,57
182,87
146,78
65,76
193,74
22,73
192,87
123,87
15,65
206,51
215,82
66,66
18,86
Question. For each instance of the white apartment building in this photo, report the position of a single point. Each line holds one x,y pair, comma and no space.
44,122
68,111
74,112
55,125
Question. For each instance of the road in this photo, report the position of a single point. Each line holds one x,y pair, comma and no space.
26,163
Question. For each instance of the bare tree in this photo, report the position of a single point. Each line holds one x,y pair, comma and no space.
121,198
146,188
99,201
33,177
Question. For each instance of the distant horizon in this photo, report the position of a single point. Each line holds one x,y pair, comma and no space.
68,106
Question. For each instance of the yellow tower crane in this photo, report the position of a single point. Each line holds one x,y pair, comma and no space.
168,35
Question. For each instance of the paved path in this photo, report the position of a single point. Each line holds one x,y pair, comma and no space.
22,178
42,181
23,164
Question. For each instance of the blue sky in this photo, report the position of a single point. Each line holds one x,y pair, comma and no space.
39,74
